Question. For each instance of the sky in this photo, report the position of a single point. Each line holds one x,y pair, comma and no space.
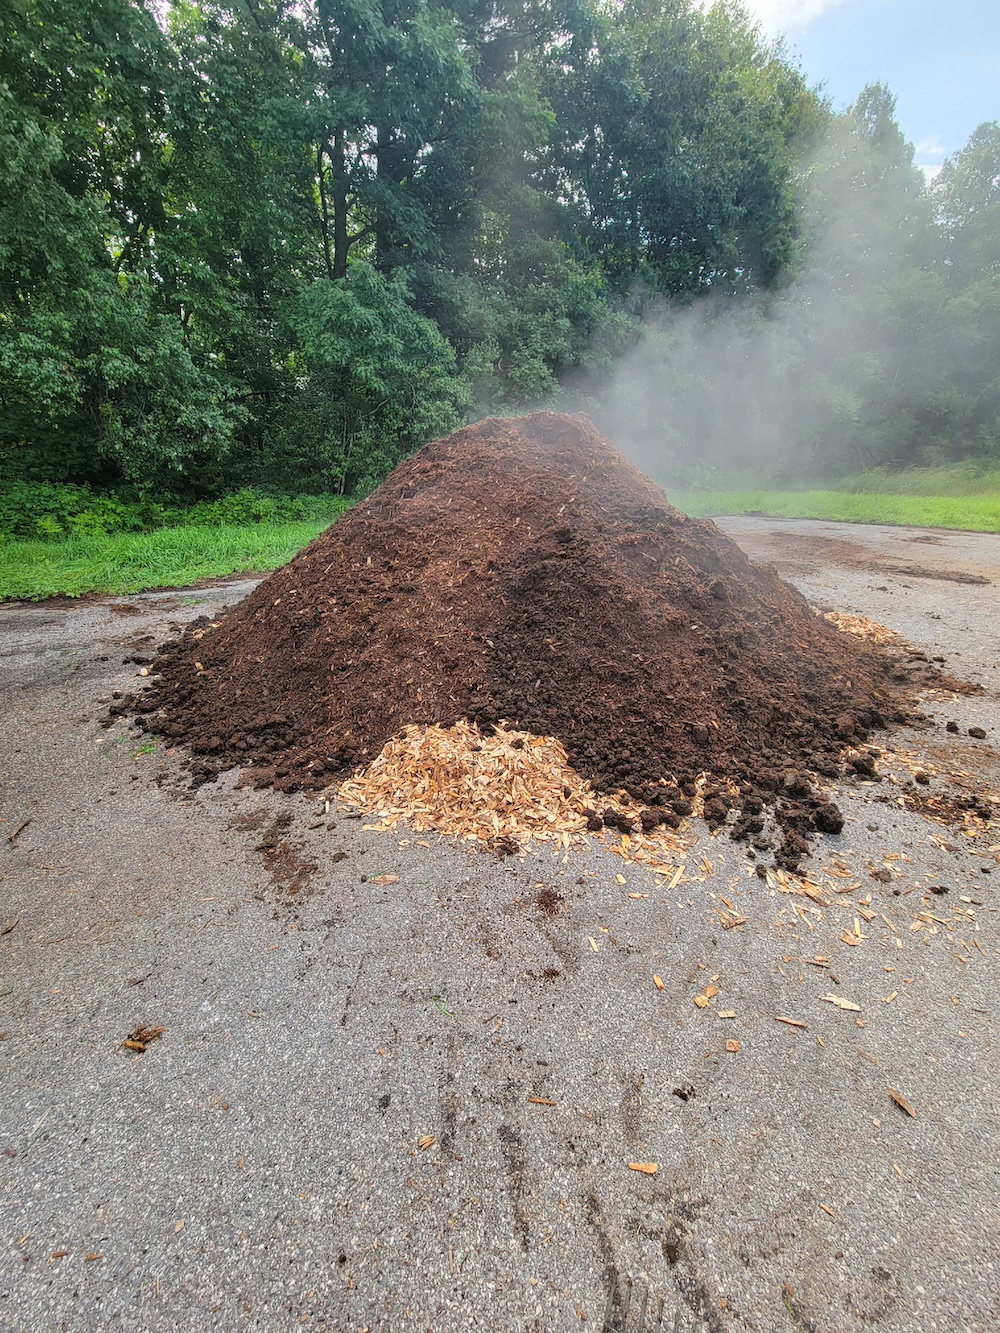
941,58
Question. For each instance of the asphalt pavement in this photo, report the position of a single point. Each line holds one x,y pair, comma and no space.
414,1105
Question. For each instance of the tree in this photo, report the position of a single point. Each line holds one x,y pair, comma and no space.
678,136
377,380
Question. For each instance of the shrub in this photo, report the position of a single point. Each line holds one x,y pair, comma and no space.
49,511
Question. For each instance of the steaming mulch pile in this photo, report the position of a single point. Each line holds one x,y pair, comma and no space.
523,572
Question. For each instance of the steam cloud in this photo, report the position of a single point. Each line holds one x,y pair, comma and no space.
788,383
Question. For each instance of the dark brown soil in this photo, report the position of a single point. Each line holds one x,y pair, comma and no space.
523,571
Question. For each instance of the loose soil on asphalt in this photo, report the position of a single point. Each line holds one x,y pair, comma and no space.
399,1083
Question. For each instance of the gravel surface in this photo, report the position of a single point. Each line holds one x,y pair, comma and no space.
260,1165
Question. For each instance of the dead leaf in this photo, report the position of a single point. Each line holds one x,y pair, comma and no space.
901,1102
647,1168
142,1037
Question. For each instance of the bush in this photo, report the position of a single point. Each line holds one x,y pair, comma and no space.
49,511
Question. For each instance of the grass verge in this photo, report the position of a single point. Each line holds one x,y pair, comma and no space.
127,562
976,513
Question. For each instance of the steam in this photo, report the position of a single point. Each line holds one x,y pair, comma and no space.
798,383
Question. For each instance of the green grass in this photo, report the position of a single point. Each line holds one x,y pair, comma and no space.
973,477
127,562
977,513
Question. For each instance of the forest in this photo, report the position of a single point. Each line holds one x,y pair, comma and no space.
279,245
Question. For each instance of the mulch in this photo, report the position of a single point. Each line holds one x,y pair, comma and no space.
524,572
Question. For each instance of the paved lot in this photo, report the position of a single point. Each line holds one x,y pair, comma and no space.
259,1166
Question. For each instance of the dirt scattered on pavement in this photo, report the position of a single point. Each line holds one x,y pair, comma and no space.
815,551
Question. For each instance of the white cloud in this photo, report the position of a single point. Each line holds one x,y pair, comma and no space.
787,16
929,155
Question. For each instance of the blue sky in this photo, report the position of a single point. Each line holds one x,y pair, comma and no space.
940,57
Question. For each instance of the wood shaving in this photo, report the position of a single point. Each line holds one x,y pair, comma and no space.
861,627
902,1103
506,786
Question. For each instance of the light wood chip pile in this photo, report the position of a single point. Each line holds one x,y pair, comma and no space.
507,785
861,627
469,785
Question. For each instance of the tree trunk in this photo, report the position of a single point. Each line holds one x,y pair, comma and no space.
338,185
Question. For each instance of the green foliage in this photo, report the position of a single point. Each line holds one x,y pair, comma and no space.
49,511
377,379
278,247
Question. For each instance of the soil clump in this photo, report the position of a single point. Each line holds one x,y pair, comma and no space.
523,571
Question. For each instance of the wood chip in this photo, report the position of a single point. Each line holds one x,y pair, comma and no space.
729,922
827,1209
426,1141
593,943
647,1168
465,784
902,1103
732,1045
384,879
841,1003
657,982
792,1022
541,1101
726,1013
702,1001
861,627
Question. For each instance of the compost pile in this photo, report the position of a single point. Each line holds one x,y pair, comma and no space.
524,572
